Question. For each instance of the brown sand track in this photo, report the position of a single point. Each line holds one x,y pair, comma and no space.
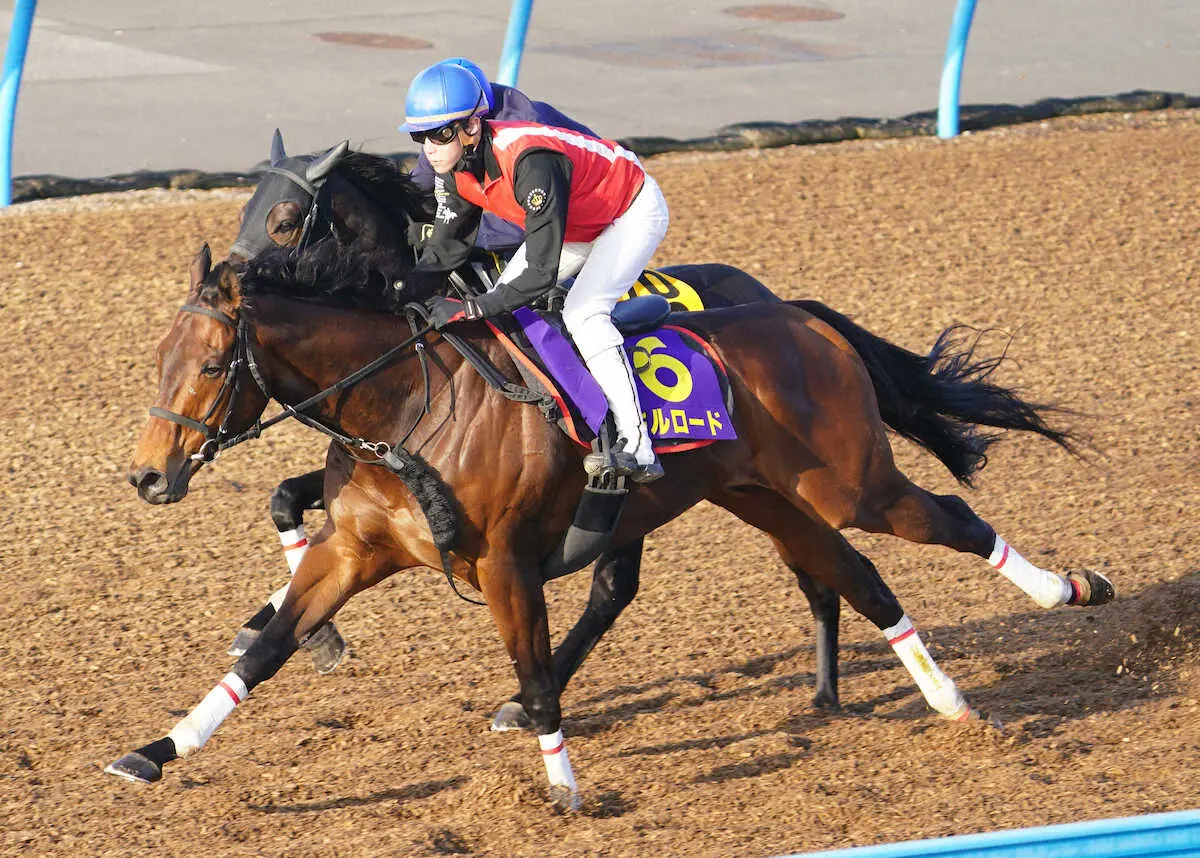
690,728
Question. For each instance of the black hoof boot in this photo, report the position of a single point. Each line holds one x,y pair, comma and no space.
826,702
134,767
145,764
1091,588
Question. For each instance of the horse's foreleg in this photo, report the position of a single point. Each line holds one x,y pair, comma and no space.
906,510
518,606
614,585
289,502
321,586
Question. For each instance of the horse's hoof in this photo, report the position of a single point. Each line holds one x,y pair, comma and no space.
826,702
1091,588
242,641
327,648
511,716
135,767
564,798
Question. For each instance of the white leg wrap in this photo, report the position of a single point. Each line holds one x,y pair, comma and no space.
558,767
277,597
940,691
192,732
1046,588
295,543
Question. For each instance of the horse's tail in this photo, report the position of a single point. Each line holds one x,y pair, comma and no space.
940,400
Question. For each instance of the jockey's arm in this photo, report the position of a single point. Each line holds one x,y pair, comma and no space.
454,227
542,185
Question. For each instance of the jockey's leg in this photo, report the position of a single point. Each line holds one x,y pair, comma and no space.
617,258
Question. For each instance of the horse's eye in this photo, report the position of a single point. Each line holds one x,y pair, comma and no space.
212,370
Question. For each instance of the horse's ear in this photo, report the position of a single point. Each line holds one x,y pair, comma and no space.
229,286
277,153
320,167
201,265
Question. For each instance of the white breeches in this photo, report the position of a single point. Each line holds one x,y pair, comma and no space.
605,269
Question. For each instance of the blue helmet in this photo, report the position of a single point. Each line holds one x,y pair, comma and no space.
442,94
477,73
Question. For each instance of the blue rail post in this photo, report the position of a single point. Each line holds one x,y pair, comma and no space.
14,64
514,42
956,46
1156,835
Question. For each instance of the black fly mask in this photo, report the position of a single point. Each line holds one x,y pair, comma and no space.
298,180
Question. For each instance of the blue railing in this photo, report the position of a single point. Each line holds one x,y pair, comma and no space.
10,84
514,42
1155,835
956,47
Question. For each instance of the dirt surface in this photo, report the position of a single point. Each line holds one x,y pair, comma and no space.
690,728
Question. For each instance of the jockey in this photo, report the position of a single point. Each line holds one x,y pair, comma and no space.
588,209
508,104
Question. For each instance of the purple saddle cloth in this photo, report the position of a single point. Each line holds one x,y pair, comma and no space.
681,383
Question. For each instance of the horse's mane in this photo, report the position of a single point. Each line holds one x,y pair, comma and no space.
382,181
324,272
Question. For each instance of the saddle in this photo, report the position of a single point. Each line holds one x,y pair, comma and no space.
681,383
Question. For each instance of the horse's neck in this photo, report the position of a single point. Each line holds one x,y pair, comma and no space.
307,348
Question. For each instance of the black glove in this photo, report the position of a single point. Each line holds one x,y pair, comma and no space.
418,234
444,311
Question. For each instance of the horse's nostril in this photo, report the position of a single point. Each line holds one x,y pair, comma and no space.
149,482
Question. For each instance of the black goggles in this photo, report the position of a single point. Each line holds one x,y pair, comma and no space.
441,135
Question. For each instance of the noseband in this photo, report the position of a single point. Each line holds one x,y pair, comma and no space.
216,436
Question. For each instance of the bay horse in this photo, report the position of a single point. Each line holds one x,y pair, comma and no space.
368,206
490,495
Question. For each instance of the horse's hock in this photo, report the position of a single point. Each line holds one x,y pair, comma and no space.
1078,235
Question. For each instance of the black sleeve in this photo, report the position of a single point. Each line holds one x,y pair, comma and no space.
542,185
454,227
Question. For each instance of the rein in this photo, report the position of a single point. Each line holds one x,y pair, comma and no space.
217,437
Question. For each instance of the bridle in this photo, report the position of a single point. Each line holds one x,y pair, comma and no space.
216,435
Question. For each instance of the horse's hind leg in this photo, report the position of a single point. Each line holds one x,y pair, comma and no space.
289,502
826,607
832,562
614,584
906,510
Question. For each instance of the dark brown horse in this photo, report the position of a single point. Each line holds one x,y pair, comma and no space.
491,494
368,207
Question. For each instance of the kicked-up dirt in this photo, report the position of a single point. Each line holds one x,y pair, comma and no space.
1072,244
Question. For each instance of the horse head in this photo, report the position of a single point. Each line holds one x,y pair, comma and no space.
282,210
364,201
206,389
